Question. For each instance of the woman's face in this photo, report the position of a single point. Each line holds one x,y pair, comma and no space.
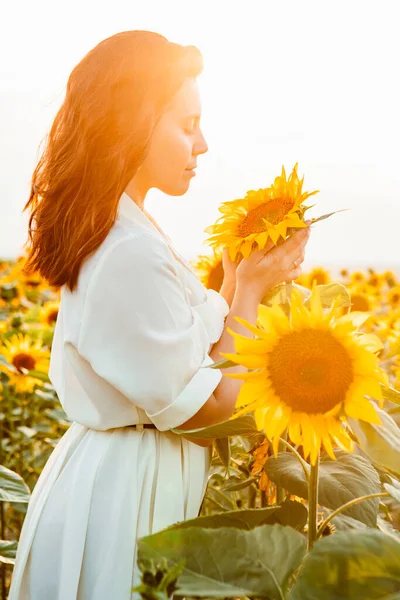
176,143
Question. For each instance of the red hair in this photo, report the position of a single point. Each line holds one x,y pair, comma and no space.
97,141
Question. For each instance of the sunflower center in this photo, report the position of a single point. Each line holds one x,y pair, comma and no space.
216,277
52,316
274,211
310,371
23,360
320,277
359,302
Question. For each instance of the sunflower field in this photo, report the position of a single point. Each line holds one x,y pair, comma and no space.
252,537
303,495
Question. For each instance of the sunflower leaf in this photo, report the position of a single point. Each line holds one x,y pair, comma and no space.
245,426
341,480
394,489
8,552
38,375
279,294
356,564
221,364
381,443
329,292
223,449
322,217
12,487
228,562
241,519
9,366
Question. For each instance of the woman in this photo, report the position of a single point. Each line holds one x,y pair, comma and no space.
135,325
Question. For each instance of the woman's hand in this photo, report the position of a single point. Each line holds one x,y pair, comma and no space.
266,268
229,283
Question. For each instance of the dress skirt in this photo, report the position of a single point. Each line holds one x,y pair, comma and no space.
98,493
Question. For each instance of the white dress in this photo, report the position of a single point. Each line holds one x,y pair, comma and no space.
129,346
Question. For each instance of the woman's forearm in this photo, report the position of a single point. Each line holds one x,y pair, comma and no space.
228,291
244,304
220,406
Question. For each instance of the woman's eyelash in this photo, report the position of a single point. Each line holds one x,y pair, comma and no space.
191,127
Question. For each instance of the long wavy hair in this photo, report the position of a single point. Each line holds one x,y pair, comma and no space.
98,139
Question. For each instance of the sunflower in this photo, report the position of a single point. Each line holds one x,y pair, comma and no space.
390,278
357,277
268,213
308,373
363,301
49,313
210,270
318,274
24,355
375,279
393,296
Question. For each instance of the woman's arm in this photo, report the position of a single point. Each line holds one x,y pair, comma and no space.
220,406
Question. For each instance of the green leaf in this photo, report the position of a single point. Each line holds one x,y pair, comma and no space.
241,519
38,375
362,565
12,487
328,215
291,513
223,448
228,562
221,364
234,484
279,294
381,443
28,431
245,426
341,480
394,489
9,366
8,552
329,292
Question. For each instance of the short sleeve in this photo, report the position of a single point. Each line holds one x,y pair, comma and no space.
140,334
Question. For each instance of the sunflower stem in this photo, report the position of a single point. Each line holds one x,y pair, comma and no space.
313,503
346,506
280,491
304,464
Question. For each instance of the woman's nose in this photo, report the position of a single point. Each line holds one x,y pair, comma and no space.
201,145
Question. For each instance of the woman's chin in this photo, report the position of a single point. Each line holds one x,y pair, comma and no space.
177,189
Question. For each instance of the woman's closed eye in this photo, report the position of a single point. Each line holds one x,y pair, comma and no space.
190,125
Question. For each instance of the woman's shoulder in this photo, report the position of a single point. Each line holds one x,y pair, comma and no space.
124,253
132,245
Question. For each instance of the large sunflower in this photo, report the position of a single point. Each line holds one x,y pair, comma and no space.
308,373
210,270
247,223
24,355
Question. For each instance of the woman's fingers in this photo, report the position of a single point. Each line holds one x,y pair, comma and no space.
294,274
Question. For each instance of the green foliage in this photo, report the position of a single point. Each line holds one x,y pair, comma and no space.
12,486
381,443
228,562
363,565
341,480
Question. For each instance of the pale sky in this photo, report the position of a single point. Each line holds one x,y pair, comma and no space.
313,82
